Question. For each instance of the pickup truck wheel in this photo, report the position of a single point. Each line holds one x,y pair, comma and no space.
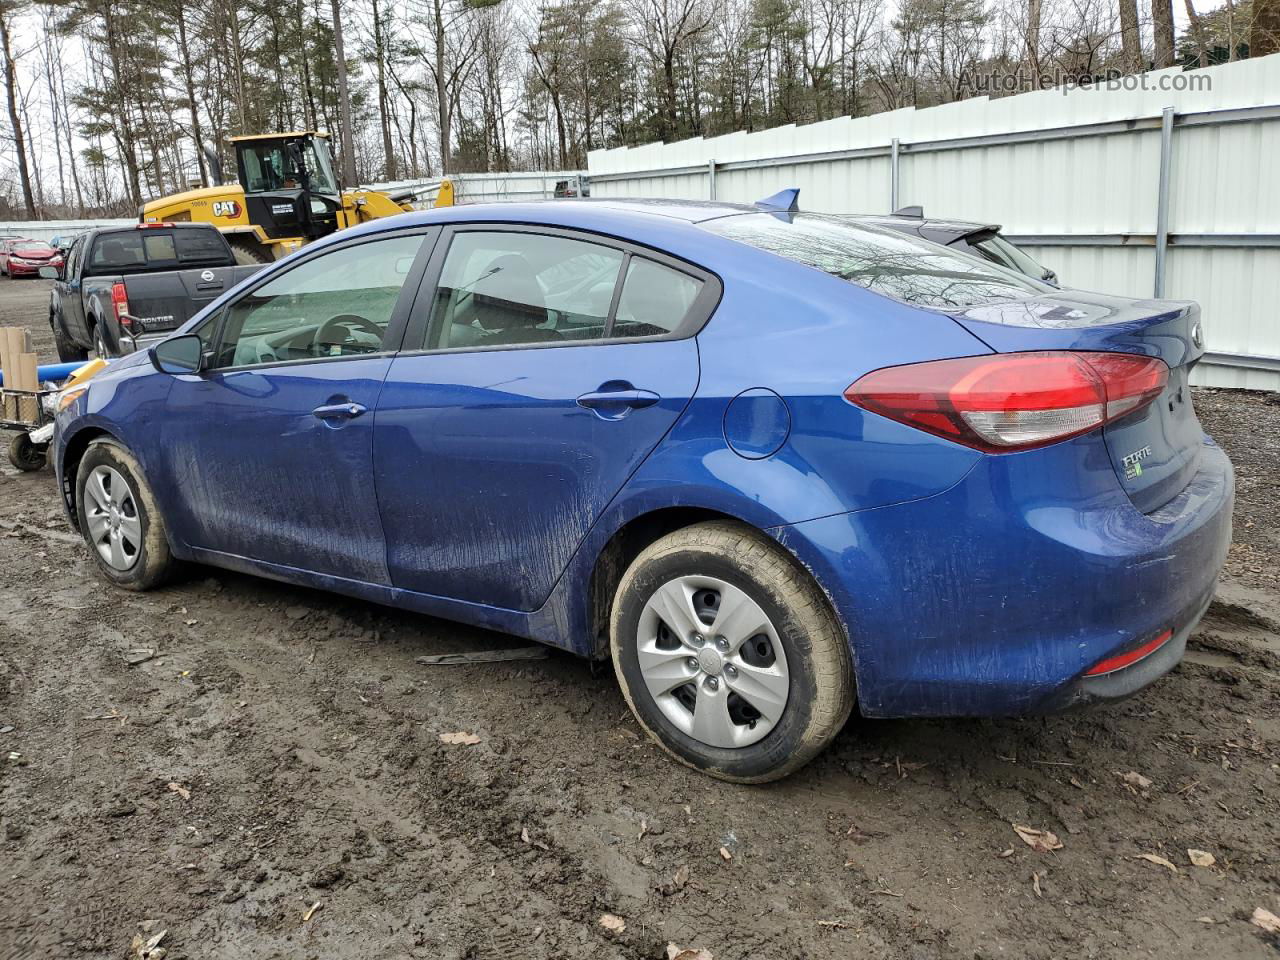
68,352
100,344
248,254
119,518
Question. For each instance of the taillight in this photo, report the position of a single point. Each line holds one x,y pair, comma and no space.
120,303
1013,401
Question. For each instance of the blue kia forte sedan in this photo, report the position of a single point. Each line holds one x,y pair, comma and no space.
774,464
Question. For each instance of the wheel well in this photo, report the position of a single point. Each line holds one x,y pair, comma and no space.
71,458
623,547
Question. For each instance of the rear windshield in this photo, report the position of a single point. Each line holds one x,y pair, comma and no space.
906,268
158,248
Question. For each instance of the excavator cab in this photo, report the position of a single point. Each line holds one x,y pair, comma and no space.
289,186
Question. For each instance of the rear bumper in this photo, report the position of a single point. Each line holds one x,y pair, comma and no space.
996,596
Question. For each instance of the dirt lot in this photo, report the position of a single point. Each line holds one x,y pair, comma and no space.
282,750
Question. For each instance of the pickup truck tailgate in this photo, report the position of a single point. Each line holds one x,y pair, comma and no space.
159,302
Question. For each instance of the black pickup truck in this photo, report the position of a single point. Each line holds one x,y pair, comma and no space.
123,288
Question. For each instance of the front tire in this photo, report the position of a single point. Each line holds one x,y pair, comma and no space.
248,253
729,654
119,518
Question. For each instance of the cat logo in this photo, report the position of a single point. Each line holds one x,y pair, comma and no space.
226,208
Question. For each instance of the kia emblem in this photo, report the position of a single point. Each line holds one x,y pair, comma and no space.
207,276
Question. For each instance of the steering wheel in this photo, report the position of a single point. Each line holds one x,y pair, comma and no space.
331,332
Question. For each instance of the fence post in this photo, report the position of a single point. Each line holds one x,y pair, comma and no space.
711,179
1162,198
893,175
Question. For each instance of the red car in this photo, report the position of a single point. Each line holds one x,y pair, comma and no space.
24,258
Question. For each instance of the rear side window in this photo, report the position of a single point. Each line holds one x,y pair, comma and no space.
655,299
887,262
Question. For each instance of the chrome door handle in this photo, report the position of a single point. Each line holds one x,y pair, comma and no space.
612,399
339,411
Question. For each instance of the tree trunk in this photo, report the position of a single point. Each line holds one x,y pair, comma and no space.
380,57
189,81
1197,33
1130,38
344,103
1033,37
15,121
1162,28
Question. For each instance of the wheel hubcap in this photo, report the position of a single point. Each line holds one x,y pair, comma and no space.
712,661
111,516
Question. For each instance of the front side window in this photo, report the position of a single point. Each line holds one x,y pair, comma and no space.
905,268
337,304
499,288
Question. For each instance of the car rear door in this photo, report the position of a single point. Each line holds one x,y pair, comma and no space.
271,446
541,370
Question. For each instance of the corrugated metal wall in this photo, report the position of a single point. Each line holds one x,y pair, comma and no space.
1085,198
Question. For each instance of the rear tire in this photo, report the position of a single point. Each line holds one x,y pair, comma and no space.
100,347
119,518
68,352
248,254
718,617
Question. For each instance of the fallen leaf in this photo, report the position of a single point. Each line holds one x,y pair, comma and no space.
311,912
1201,858
460,738
1035,884
1075,783
1005,854
1209,920
149,949
676,883
833,924
180,790
1157,860
725,854
1041,841
1265,919
1135,779
614,925
687,953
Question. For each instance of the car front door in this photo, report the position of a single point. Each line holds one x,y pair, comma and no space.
270,447
551,365
71,299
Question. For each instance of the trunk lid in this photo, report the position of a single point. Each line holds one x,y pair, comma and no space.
164,301
1155,451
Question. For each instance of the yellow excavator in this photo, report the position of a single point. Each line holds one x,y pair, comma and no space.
287,196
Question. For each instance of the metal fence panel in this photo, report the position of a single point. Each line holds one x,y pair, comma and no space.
1077,173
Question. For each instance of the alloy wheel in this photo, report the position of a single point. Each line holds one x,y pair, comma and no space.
713,661
111,514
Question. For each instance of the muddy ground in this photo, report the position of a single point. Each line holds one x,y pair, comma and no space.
282,750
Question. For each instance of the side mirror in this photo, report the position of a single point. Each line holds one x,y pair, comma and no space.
1050,277
176,355
51,273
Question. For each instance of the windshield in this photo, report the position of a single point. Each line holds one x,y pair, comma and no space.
268,166
906,268
320,166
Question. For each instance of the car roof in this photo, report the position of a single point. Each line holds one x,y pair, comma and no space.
691,211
